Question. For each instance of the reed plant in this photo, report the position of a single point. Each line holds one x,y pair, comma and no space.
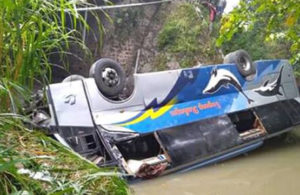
30,32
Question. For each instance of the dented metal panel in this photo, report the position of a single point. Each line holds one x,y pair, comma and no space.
196,140
274,117
70,104
292,108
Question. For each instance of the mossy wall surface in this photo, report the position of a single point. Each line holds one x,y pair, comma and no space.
185,36
169,36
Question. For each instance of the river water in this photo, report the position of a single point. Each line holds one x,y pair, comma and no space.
271,169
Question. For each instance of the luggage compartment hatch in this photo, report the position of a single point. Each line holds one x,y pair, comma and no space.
190,142
248,125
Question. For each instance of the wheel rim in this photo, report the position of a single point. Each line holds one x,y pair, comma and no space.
245,64
110,77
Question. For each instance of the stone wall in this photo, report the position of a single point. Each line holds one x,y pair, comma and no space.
134,29
127,31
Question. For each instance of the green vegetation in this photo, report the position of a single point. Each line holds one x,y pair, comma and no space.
64,170
266,29
258,47
269,29
30,32
160,62
186,37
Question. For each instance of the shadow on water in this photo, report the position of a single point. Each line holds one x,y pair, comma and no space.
273,168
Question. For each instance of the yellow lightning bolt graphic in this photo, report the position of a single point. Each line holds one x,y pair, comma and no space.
152,114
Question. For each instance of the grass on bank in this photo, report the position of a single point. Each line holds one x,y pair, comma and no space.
67,172
30,32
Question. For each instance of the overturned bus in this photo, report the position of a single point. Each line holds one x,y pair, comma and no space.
173,120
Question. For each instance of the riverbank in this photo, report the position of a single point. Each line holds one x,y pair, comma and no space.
32,162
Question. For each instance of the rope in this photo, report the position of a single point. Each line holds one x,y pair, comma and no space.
118,6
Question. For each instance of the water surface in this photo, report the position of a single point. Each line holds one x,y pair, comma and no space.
271,169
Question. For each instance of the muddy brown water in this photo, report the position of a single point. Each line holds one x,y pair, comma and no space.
271,169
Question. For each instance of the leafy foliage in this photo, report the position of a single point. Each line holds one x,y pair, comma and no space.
258,47
179,32
276,21
30,31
